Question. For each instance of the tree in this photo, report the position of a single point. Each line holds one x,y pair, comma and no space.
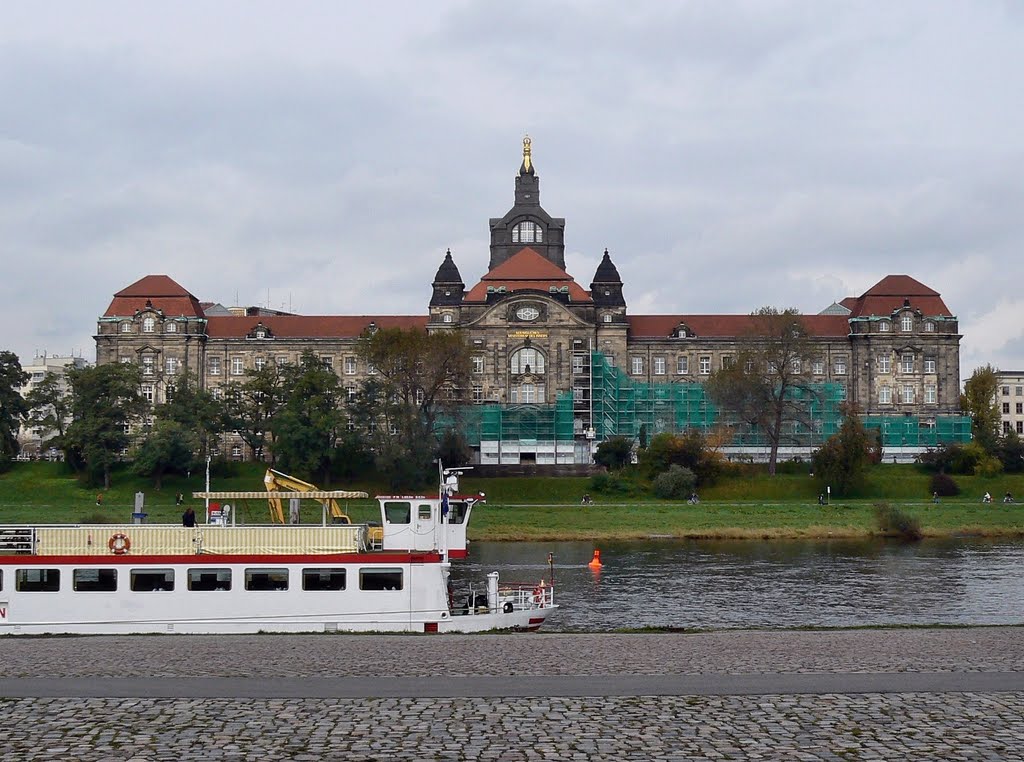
1011,452
689,450
195,410
417,378
12,404
169,447
105,400
979,401
307,426
768,386
49,406
249,407
614,453
842,461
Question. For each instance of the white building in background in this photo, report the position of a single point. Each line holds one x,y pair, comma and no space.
32,438
1010,400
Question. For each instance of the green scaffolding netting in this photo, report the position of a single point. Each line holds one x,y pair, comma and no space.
614,404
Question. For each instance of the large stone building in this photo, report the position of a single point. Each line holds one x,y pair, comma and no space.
558,366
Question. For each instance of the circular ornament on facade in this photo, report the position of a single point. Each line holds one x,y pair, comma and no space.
527,313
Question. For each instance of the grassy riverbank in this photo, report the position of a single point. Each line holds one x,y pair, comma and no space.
755,506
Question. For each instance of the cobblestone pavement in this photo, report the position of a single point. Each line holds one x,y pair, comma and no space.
830,726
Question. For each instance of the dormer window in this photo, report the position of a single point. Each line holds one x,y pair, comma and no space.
171,328
149,325
527,232
929,327
884,326
260,333
907,323
126,327
607,318
446,318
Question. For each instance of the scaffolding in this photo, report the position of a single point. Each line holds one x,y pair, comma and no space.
606,402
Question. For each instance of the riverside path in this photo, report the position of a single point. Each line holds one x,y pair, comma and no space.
770,695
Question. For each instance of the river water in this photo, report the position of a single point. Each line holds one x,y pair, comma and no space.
737,584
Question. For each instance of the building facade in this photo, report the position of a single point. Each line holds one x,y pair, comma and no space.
558,366
33,438
1010,400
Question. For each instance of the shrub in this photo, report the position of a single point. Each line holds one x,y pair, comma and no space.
988,466
689,449
675,484
894,522
944,486
607,484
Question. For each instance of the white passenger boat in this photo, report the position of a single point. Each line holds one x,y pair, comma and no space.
222,577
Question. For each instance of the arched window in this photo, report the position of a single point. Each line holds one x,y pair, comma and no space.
907,323
148,325
171,328
526,360
527,232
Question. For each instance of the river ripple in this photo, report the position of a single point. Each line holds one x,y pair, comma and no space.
737,584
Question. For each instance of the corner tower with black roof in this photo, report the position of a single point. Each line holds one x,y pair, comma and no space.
448,286
526,223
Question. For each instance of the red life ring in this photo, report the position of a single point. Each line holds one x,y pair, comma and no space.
119,544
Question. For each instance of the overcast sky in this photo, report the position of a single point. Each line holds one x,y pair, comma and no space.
321,156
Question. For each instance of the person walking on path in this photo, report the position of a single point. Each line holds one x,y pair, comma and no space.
188,518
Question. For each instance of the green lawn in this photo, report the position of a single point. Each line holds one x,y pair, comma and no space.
548,508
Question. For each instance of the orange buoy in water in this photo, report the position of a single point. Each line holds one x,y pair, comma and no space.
595,562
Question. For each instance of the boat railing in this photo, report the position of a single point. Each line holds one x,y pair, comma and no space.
17,540
523,595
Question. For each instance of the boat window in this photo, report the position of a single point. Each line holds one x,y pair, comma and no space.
323,579
151,580
266,579
456,513
37,580
424,511
209,579
94,580
397,511
1,579
380,579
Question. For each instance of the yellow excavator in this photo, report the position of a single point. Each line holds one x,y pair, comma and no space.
277,482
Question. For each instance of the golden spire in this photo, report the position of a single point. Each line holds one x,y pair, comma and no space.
526,152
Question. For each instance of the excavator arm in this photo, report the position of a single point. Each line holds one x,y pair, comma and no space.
277,482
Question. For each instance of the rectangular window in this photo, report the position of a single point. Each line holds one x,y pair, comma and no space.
884,363
908,394
217,392
259,363
237,366
281,361
397,511
213,366
1020,408
152,580
1006,408
705,365
818,368
147,393
94,580
420,396
209,579
659,366
907,363
328,362
637,366
147,365
906,323
266,579
424,510
171,366
840,366
841,391
350,394
728,361
323,579
350,366
929,365
478,364
1020,427
885,395
1020,389
930,395
478,393
380,579
683,365
578,363
1006,391
796,365
370,369
37,580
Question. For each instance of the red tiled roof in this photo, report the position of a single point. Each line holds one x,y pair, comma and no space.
662,326
158,291
526,269
308,326
889,295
